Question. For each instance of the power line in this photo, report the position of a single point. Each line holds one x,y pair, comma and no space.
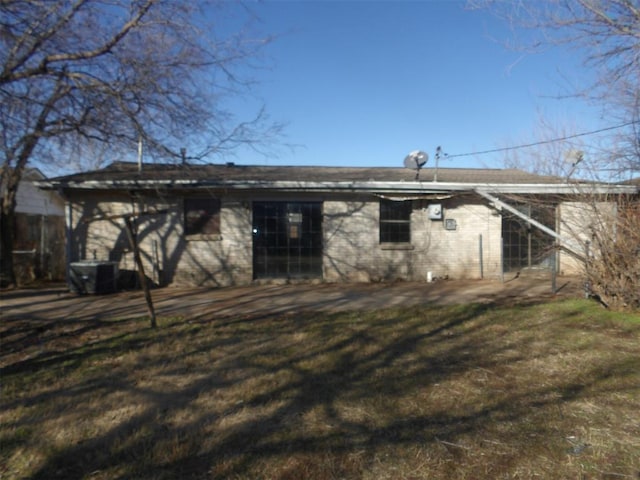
542,142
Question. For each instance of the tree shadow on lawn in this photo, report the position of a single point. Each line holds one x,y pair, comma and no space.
304,395
46,343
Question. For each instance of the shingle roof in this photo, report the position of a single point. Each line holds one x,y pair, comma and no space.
126,171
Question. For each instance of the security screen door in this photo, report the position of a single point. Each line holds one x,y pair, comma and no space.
526,247
287,240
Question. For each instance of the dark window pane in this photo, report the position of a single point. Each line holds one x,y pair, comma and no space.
287,239
395,221
201,216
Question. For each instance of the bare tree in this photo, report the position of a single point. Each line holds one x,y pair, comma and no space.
79,75
613,264
554,151
602,229
606,34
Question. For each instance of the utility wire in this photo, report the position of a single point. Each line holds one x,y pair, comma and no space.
542,142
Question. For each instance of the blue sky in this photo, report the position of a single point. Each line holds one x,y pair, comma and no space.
363,83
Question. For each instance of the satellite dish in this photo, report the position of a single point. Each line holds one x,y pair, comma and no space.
574,157
415,160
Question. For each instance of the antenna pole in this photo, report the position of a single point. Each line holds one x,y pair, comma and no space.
140,153
579,156
438,151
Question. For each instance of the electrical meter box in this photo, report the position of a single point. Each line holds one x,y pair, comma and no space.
435,211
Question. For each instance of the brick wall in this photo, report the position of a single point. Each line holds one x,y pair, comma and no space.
456,253
168,257
352,251
226,260
577,221
350,231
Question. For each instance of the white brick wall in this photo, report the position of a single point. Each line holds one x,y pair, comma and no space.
577,221
353,252
168,257
350,235
456,253
225,261
350,231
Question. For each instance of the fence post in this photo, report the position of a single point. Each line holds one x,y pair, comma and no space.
481,259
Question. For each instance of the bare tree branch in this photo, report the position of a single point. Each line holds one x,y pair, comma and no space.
606,34
77,75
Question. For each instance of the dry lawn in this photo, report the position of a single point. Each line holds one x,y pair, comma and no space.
469,392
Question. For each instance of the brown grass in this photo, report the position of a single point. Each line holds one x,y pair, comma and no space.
467,392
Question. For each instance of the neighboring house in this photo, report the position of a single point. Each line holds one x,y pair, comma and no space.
231,224
38,250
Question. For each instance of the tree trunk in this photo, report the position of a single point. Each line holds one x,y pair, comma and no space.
131,233
10,180
7,278
7,226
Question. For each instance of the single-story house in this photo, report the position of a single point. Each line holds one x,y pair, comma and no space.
229,224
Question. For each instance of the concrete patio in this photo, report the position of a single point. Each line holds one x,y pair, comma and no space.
58,303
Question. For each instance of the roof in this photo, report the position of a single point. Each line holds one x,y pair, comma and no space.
119,171
128,175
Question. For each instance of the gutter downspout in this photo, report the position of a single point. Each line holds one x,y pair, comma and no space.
562,241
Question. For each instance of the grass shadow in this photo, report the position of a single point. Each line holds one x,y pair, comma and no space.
468,391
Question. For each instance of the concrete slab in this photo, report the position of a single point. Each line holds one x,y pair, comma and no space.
262,300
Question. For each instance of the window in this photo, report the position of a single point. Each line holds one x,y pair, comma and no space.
202,216
287,239
525,246
395,221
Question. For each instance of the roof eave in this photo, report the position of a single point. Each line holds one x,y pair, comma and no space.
354,186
